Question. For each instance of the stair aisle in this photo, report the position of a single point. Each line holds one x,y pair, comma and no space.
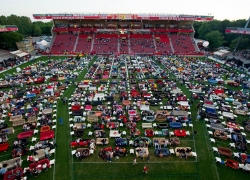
76,43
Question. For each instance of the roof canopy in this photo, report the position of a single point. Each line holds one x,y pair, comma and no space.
177,17
221,53
19,53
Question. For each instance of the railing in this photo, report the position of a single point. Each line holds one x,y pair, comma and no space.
173,30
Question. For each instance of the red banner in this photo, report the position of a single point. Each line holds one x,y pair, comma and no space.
237,31
125,17
8,29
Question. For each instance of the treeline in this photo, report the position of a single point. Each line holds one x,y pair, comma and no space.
26,28
214,32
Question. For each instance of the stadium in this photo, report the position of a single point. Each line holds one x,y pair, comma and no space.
123,96
132,34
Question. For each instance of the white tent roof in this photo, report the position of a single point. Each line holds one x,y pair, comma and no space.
19,53
224,51
217,53
221,53
43,43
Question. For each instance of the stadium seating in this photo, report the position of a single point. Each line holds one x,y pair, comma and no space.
105,43
124,44
83,45
63,43
163,45
157,42
142,44
182,44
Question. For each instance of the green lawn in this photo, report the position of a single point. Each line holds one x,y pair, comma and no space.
172,168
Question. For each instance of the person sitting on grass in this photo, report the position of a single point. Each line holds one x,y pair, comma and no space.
188,151
160,153
78,154
35,172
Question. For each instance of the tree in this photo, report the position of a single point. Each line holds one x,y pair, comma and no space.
37,31
46,30
238,23
225,23
196,26
8,40
215,39
244,43
45,27
207,27
3,20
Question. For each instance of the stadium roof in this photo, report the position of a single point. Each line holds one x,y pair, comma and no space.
19,53
179,17
237,30
8,28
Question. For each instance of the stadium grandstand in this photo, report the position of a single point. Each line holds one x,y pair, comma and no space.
8,28
236,30
132,34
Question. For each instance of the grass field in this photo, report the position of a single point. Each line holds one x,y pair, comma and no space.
68,167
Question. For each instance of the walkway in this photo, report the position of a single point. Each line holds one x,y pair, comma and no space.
64,165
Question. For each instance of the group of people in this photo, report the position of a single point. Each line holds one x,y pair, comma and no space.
19,148
44,144
29,126
84,153
183,152
3,138
147,113
46,120
106,153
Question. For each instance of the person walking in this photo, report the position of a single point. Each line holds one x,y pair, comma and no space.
61,120
134,162
195,132
46,152
145,169
198,117
111,156
148,158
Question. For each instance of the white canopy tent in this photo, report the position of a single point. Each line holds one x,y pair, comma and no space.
217,53
43,44
221,53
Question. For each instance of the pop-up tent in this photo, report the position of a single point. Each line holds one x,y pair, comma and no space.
18,69
43,44
221,53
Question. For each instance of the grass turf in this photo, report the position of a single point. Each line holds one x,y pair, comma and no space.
67,167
